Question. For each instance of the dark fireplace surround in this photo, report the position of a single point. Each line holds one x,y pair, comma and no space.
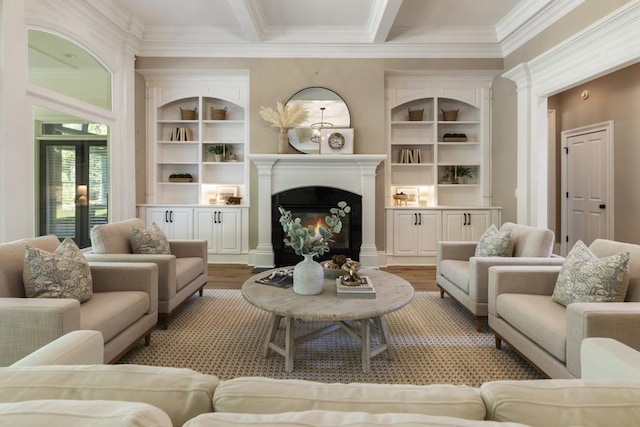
310,203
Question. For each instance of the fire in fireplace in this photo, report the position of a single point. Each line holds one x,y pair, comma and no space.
311,205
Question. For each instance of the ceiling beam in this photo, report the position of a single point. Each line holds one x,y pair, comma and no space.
250,18
383,15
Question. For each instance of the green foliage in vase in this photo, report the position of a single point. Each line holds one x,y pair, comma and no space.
311,239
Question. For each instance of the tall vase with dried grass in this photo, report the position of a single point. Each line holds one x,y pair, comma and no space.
285,116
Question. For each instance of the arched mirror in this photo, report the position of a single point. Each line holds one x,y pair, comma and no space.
325,109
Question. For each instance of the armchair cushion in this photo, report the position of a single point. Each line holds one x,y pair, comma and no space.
586,278
63,273
149,241
494,242
530,241
114,238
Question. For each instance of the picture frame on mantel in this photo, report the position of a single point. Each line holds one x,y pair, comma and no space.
336,141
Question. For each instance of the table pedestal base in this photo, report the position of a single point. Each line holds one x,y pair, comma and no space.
361,334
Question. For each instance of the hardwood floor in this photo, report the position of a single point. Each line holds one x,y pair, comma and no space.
232,276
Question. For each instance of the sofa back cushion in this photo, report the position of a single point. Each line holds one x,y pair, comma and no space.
603,248
181,393
563,402
115,237
268,396
530,241
12,265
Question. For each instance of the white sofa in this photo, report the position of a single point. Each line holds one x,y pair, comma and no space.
192,399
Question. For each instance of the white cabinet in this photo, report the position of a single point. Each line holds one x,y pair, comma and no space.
464,225
441,154
416,232
177,223
221,227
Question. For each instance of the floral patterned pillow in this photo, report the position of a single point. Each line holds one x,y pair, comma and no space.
586,278
64,273
494,242
150,241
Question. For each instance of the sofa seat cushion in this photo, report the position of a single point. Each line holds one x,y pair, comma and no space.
538,318
113,312
320,418
181,393
457,272
563,402
188,269
267,396
78,413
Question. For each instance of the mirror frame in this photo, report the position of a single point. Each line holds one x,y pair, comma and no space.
328,109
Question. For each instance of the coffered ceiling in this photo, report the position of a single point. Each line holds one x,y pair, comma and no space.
336,28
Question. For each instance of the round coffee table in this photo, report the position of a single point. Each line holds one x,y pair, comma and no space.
392,293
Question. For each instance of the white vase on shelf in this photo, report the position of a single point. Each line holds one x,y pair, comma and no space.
308,276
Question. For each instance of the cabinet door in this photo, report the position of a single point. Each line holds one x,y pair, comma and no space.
229,231
405,241
429,232
477,223
181,223
159,216
454,225
204,227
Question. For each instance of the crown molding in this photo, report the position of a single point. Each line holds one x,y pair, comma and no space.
528,19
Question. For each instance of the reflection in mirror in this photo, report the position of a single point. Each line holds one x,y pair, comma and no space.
325,108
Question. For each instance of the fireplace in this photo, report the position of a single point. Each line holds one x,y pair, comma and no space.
311,204
355,173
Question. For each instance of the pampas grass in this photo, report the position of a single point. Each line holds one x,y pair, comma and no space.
284,116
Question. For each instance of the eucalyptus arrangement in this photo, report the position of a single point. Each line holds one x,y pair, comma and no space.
311,239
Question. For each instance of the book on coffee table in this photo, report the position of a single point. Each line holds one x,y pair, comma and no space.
364,290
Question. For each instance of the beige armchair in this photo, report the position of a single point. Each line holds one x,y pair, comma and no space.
180,274
465,277
549,335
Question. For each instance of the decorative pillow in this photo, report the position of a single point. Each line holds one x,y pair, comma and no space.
150,241
64,273
586,278
493,242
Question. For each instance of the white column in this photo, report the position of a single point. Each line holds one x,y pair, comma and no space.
368,249
264,256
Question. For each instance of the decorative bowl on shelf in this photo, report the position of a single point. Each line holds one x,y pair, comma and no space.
332,271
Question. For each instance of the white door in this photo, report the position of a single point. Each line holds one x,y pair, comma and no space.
477,224
229,231
429,232
405,240
588,179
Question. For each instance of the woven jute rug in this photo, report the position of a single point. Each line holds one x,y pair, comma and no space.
433,339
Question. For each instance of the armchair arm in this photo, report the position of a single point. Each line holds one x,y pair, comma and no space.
126,276
27,324
522,279
479,271
608,359
461,251
166,269
189,248
617,320
75,348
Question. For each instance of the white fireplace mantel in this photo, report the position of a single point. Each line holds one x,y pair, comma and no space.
352,172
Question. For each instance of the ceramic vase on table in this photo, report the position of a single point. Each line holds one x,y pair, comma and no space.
283,141
308,276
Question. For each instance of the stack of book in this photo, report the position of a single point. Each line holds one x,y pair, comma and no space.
363,290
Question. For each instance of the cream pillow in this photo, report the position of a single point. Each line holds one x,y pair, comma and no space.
494,242
149,241
64,273
586,278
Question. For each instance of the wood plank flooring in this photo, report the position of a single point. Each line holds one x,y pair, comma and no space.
232,276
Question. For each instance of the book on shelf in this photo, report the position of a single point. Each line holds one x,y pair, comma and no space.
363,290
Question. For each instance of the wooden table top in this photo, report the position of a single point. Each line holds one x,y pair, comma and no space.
392,293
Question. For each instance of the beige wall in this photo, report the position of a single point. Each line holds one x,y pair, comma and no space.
359,81
613,97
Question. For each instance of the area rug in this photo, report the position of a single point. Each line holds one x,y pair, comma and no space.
433,339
